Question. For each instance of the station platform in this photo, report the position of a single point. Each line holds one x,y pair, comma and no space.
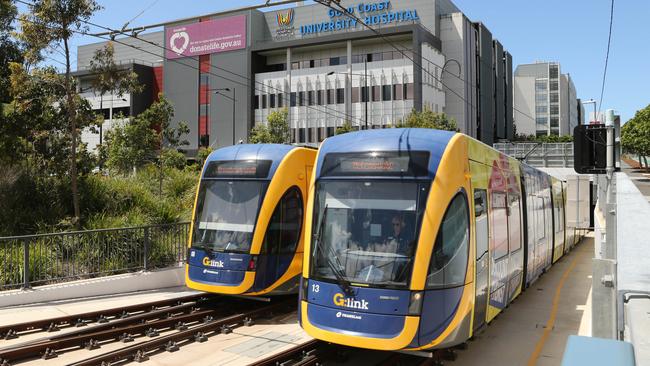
535,328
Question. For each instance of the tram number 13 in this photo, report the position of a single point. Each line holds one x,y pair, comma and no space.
315,288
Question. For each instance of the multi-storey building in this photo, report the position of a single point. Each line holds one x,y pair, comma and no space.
545,101
326,69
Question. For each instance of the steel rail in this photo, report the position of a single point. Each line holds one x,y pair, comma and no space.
52,324
139,318
138,352
91,340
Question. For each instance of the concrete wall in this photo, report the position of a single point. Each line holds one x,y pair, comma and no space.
459,43
509,96
499,90
181,86
147,53
524,102
486,85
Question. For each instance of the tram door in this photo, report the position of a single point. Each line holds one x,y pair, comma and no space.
283,234
482,256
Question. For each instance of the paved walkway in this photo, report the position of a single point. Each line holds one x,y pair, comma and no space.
534,329
639,177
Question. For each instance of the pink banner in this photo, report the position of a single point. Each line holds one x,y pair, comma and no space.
212,36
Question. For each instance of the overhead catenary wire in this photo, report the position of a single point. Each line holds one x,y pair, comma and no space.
335,113
609,42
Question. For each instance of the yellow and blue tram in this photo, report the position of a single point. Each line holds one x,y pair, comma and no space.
416,238
246,235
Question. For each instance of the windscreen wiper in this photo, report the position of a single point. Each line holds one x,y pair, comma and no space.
329,259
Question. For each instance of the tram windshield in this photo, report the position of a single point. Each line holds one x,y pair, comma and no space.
226,213
366,231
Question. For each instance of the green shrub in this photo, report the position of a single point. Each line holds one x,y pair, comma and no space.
41,264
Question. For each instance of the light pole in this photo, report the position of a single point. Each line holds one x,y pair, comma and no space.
592,101
365,86
233,98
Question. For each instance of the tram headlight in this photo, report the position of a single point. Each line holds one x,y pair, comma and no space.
415,303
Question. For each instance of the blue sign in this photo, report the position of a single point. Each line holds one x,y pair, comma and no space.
373,14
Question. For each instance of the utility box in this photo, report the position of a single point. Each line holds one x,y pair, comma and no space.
590,149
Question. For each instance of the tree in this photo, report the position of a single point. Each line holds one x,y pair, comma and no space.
9,50
51,24
345,128
635,135
110,78
275,131
129,146
428,119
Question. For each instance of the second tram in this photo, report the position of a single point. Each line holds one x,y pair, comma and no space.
246,235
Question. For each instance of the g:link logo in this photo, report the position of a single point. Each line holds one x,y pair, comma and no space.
212,263
340,300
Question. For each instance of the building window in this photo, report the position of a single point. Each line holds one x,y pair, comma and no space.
554,84
541,109
292,99
554,122
301,135
330,96
264,101
306,64
364,94
335,61
280,100
330,131
256,102
295,65
204,79
385,92
540,85
555,109
408,91
398,91
271,100
355,94
301,98
319,97
375,93
311,100
554,97
541,121
340,96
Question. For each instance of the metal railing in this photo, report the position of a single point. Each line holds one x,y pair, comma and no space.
541,155
48,258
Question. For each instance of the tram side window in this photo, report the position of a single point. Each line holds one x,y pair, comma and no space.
480,214
499,224
450,252
514,222
283,232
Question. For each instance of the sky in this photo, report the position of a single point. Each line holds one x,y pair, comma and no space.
572,32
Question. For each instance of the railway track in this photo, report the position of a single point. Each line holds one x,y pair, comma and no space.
186,320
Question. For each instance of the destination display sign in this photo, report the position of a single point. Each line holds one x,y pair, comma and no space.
387,163
238,169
